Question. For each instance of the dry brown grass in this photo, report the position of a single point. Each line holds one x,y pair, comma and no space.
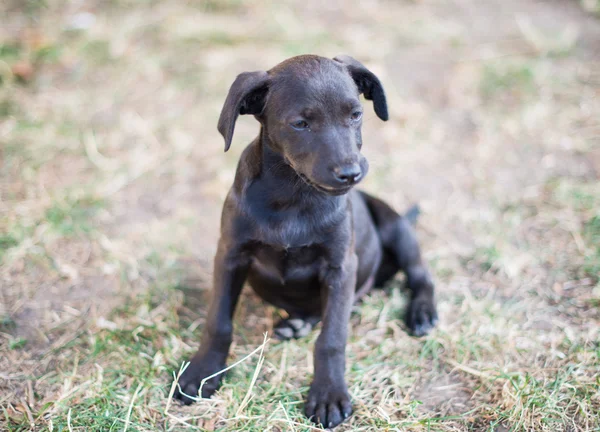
113,176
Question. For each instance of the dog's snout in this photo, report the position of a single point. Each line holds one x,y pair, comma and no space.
347,174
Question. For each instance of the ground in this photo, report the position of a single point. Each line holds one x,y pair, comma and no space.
113,176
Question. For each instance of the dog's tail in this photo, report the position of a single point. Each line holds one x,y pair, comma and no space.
412,214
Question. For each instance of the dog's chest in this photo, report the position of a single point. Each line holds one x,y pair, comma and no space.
289,227
287,235
287,264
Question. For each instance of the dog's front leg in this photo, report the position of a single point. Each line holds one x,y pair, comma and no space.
328,401
230,269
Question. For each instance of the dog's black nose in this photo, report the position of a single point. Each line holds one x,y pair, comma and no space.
347,174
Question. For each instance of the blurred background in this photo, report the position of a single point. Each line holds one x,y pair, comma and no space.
113,177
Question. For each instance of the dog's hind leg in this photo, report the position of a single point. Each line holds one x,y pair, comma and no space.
401,252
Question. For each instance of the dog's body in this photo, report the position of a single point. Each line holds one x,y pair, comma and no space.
297,231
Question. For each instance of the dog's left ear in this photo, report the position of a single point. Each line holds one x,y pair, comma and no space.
246,96
368,84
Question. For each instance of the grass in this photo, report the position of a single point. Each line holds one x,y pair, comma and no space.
591,6
69,218
113,176
592,234
505,80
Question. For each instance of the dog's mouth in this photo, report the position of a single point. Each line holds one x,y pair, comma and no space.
324,189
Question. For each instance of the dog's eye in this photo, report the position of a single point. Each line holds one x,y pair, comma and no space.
356,115
300,125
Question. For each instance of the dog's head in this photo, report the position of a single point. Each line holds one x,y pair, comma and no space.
310,110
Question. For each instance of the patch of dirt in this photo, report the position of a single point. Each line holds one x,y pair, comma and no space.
444,395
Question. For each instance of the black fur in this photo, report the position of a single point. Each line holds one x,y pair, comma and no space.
294,227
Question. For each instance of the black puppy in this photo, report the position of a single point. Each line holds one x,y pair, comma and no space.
297,231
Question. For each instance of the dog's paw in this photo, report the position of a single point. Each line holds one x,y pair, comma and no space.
327,405
191,379
294,328
421,316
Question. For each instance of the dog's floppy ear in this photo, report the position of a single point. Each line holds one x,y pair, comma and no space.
368,84
246,96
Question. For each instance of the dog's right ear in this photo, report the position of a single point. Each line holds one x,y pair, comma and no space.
246,96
